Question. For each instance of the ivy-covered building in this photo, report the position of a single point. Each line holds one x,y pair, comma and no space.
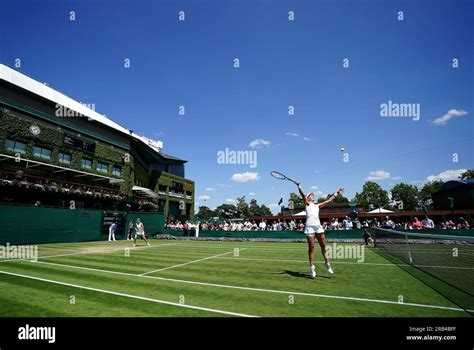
55,151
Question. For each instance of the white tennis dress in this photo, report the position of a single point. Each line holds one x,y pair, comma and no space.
140,229
313,225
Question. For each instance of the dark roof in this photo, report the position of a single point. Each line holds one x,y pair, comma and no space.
167,156
448,185
151,156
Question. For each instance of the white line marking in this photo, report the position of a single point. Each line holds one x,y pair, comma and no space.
95,252
128,295
257,289
355,263
306,261
270,248
188,263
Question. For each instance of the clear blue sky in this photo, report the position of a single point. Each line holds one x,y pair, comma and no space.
282,63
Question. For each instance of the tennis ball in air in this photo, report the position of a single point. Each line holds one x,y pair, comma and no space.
342,149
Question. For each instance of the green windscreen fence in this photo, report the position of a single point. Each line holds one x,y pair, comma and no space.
30,225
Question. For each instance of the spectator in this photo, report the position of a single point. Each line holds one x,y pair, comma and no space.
428,223
376,223
186,229
462,223
416,224
347,223
387,223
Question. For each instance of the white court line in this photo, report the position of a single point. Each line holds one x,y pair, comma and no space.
128,295
94,252
356,263
270,248
306,261
256,289
188,263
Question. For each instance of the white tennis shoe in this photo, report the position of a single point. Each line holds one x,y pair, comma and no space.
312,272
329,267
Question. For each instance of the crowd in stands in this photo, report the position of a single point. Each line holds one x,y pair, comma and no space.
333,224
19,179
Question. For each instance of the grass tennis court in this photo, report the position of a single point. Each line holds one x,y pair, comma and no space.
203,278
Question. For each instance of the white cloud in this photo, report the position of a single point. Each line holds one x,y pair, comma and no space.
316,171
259,143
252,194
318,193
378,175
314,188
209,189
417,182
230,200
306,138
396,178
448,116
245,177
292,134
446,175
204,198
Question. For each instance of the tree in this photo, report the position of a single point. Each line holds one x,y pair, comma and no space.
295,201
265,211
407,194
205,213
242,207
258,210
468,174
429,188
322,199
226,211
372,194
254,208
341,199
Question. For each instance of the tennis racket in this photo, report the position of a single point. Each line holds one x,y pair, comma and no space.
281,176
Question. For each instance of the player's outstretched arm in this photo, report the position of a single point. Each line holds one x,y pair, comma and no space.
332,198
301,193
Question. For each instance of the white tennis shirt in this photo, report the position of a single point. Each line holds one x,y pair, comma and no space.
312,215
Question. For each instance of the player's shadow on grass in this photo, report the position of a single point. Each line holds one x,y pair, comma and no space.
301,274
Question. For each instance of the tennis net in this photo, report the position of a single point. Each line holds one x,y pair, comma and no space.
449,259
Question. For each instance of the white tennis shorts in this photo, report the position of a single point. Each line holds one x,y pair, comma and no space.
313,229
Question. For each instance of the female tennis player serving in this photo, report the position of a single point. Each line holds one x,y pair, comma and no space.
313,227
